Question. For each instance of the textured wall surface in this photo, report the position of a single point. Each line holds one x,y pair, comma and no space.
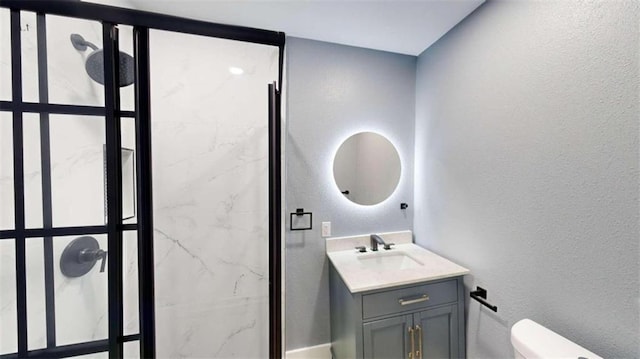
333,92
527,168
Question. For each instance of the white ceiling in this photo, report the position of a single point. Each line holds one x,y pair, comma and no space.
402,26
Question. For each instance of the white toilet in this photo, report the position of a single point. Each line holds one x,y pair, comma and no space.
531,340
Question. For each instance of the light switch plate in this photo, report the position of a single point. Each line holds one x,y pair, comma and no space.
326,229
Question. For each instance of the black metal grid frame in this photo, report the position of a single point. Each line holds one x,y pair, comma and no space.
141,21
275,246
45,158
114,187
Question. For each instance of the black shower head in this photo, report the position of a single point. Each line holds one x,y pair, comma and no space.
95,62
95,68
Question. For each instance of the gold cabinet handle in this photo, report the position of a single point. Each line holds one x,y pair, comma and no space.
413,345
422,298
419,333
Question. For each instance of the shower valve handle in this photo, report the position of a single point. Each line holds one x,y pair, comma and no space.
92,256
104,261
80,256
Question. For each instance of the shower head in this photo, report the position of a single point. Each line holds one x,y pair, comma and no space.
94,63
95,68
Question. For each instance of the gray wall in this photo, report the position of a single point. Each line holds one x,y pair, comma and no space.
527,168
334,91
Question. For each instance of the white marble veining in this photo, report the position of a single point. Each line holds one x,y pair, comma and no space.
77,193
359,278
210,195
8,305
5,56
7,217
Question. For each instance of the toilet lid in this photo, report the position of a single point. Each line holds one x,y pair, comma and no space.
533,341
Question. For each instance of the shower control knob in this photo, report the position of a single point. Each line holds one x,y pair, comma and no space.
104,261
92,256
79,257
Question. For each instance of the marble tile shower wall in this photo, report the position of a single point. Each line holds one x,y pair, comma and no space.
210,192
210,173
77,183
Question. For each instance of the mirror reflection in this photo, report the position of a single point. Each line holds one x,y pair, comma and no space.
367,168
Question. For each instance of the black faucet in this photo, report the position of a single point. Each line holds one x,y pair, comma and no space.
376,239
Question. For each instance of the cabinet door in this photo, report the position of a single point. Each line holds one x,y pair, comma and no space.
437,332
387,338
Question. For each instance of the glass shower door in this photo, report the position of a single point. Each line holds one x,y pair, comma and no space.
59,180
210,150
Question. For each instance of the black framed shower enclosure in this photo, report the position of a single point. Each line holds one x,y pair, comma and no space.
112,114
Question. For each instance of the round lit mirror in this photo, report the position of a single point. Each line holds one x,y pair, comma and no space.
367,168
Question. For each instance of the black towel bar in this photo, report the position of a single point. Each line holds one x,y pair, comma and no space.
480,294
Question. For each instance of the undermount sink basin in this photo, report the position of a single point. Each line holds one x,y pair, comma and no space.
388,261
405,263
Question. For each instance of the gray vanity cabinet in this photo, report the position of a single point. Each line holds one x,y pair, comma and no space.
434,334
388,323
387,338
438,334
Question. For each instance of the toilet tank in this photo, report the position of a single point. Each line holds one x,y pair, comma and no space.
531,340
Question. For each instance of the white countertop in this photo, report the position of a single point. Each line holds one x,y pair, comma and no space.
359,278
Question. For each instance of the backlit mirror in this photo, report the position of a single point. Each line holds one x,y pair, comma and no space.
367,168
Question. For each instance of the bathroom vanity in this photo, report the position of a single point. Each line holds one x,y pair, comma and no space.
406,302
